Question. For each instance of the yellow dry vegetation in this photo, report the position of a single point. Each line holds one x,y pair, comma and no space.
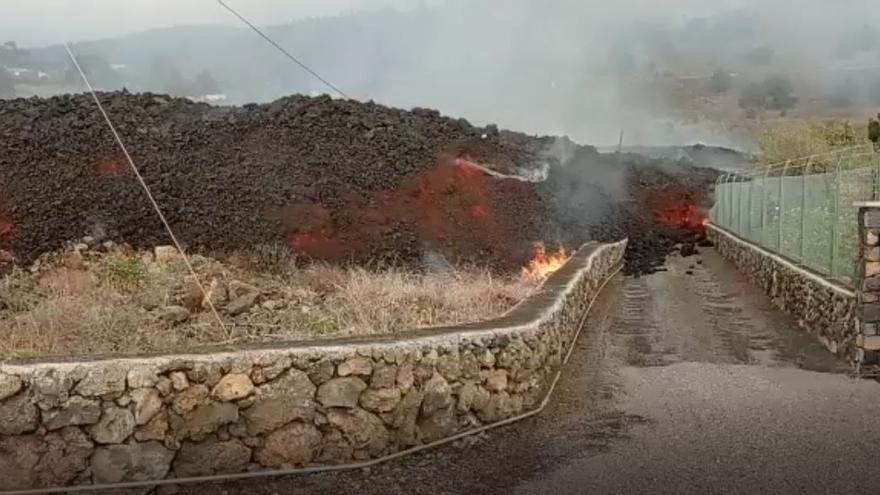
115,304
797,139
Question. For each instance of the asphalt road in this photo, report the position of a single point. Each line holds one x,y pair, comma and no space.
683,383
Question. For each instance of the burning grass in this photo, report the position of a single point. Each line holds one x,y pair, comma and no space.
115,300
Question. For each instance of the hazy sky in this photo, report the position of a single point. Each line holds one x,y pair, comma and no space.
40,22
577,50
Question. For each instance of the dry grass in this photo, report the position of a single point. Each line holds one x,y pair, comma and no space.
361,302
113,305
797,139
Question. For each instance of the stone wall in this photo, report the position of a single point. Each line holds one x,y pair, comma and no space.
822,307
122,419
868,288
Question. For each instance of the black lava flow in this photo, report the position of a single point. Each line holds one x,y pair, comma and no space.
229,178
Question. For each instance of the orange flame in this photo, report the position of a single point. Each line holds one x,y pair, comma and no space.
543,264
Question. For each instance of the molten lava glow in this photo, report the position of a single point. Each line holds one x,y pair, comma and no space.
676,210
543,264
479,211
453,206
304,241
6,228
110,168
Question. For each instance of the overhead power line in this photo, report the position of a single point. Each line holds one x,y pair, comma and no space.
140,178
282,50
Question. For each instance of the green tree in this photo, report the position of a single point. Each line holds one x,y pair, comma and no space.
205,84
763,55
874,132
753,97
167,78
721,81
779,93
13,56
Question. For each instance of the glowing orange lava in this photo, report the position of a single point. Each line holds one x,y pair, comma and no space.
543,264
7,227
110,168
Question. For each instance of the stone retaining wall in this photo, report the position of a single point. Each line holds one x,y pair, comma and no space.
822,307
868,282
121,419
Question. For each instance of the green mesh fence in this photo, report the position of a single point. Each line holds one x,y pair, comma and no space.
803,211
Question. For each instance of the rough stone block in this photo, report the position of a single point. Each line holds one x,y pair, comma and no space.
872,253
359,366
136,462
18,415
871,343
114,427
870,329
168,416
871,285
871,312
76,412
9,385
211,457
872,238
295,445
235,386
871,217
341,392
102,381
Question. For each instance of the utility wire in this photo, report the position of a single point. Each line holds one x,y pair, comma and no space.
282,50
146,188
201,480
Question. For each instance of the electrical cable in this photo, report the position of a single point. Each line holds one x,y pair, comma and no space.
282,50
146,188
357,465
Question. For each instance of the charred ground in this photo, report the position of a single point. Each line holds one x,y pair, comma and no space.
331,179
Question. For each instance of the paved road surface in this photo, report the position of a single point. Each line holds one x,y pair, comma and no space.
685,383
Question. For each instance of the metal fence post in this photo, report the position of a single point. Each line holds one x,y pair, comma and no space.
835,203
781,206
713,213
727,207
806,172
739,210
764,206
722,197
749,223
727,201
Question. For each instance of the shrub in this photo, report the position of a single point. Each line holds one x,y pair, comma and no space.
778,93
123,272
721,81
753,97
803,138
18,292
762,55
276,259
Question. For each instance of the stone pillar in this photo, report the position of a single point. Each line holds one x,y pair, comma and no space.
868,282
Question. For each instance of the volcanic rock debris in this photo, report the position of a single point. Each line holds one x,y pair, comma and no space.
331,179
